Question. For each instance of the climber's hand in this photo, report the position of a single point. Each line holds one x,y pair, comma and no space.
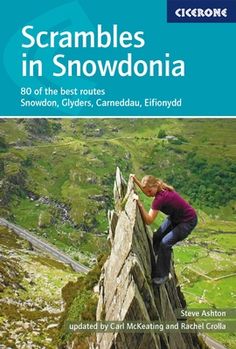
132,176
136,198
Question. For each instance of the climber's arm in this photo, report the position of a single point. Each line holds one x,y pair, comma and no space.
149,216
136,181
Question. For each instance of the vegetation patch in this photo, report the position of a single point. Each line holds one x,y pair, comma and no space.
81,304
30,294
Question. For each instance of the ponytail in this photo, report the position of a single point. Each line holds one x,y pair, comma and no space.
151,181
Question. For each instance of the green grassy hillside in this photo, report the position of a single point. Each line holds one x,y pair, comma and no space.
30,294
56,179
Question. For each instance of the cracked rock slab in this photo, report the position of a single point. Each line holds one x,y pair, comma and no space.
126,292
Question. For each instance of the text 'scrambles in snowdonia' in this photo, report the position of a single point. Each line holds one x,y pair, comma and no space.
100,39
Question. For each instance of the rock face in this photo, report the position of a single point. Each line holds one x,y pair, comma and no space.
126,292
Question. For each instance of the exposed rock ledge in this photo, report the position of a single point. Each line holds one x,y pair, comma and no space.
125,288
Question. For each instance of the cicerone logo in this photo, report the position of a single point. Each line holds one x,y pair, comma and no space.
194,11
200,12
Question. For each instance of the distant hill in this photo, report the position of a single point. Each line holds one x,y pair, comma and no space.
57,174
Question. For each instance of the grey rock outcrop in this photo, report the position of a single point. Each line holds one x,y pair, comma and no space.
126,292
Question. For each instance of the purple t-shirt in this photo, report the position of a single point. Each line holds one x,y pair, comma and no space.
171,203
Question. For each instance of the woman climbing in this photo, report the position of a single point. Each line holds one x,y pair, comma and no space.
181,220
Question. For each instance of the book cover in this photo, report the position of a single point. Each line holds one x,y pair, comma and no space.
117,175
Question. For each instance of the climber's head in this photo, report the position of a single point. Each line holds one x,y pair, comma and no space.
152,185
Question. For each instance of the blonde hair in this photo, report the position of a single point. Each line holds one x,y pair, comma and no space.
151,181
